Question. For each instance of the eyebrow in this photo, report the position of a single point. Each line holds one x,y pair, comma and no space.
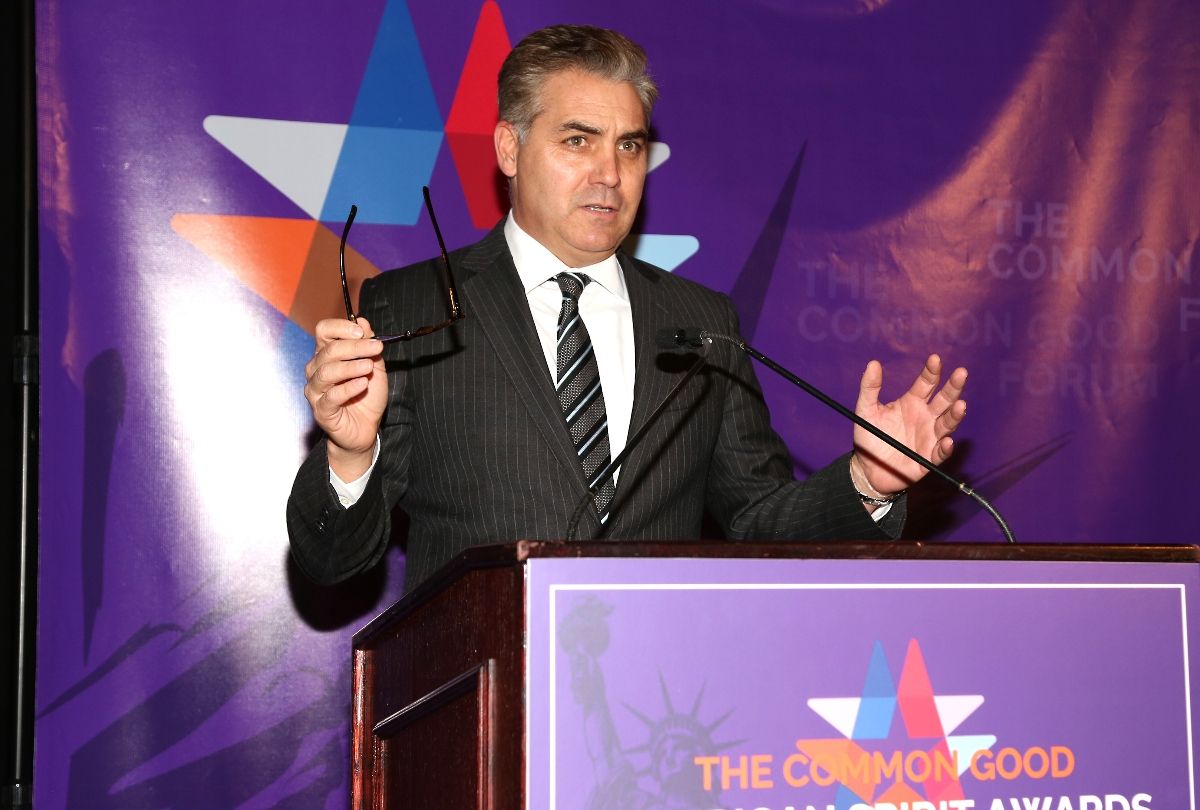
579,126
588,129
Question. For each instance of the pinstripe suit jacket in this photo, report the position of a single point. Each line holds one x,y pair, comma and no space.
475,450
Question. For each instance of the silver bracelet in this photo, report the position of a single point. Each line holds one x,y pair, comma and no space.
875,501
871,499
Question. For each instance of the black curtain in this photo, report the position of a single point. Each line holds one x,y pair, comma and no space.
18,400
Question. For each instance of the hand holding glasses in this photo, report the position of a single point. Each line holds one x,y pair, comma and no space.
455,310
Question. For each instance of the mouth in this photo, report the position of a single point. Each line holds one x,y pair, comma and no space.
601,209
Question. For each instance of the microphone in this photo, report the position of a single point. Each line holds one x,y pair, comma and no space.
668,340
684,335
680,339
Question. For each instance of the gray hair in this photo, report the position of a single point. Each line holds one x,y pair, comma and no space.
599,51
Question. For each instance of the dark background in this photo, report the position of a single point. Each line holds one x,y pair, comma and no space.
16,216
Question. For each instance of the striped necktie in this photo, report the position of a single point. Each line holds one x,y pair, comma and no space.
579,391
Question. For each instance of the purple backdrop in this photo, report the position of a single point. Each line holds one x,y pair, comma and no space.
1010,184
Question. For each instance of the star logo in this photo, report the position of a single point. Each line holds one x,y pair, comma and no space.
925,754
378,159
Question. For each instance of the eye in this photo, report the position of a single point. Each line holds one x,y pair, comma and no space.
575,141
632,147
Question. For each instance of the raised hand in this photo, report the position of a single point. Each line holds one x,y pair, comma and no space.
346,387
923,419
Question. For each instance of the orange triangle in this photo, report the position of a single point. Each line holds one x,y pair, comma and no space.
942,782
318,295
843,759
899,792
267,254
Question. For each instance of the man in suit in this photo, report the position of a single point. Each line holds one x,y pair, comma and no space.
493,429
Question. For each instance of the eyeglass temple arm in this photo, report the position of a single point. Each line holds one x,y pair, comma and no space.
451,293
342,262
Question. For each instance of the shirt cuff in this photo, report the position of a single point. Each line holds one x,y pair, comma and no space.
878,515
349,493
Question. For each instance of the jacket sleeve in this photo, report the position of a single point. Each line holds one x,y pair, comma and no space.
752,490
330,542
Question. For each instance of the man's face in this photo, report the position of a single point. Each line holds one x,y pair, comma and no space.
577,179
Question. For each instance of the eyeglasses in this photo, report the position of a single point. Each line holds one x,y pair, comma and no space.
456,313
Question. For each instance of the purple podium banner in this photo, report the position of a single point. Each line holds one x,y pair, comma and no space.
860,685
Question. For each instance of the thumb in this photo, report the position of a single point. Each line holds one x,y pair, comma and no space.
869,387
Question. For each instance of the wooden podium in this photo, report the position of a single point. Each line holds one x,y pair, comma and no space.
439,711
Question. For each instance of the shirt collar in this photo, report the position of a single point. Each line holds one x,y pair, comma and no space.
536,264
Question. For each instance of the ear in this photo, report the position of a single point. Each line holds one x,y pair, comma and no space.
507,147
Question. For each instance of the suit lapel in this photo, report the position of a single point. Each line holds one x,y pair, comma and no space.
493,293
650,315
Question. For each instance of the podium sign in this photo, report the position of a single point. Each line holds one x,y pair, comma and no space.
813,684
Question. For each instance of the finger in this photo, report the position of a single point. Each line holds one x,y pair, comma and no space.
339,339
365,325
339,329
329,332
926,382
951,392
942,450
337,351
348,350
327,375
949,419
869,387
339,395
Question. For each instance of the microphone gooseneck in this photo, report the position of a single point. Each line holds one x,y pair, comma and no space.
858,420
665,339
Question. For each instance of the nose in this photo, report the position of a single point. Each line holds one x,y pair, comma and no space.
605,170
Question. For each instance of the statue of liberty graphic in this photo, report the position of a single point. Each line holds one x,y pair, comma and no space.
668,778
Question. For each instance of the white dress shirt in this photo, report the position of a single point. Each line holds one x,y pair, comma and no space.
604,307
